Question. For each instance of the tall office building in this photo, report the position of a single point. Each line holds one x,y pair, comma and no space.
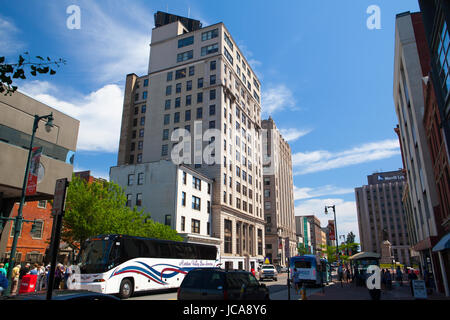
381,215
411,66
302,227
278,194
199,81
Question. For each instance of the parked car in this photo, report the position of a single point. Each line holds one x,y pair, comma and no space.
219,284
281,269
268,271
69,295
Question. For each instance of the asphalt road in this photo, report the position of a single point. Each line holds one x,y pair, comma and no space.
275,289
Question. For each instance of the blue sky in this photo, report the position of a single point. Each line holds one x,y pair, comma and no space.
326,79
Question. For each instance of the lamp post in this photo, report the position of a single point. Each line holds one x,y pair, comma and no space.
335,228
19,219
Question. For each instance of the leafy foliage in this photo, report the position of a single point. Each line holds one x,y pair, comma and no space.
99,208
11,71
302,249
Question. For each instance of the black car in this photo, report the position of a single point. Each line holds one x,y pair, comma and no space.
219,284
68,295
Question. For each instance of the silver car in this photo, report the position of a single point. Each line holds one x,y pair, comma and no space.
268,271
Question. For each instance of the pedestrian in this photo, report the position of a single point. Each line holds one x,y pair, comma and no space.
388,279
24,271
347,274
34,271
399,276
3,282
15,279
411,276
40,277
59,274
252,270
2,269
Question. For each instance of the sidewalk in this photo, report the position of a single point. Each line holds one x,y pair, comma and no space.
350,292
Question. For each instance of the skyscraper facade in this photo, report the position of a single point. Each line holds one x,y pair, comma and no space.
199,105
381,215
278,195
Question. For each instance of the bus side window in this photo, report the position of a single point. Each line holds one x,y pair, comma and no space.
165,250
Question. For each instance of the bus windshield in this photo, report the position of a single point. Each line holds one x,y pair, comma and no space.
95,256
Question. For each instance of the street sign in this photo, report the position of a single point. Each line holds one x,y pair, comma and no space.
266,260
32,178
419,289
60,196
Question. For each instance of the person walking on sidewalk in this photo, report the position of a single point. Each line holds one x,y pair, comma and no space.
399,276
15,279
347,274
388,279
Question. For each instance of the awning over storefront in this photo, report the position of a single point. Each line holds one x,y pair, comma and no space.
443,244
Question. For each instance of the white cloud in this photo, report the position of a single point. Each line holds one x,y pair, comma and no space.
307,193
99,112
113,46
8,41
277,98
293,134
321,160
346,214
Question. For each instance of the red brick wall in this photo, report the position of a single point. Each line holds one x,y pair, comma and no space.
26,243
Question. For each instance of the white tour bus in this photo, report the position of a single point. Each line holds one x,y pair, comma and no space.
121,264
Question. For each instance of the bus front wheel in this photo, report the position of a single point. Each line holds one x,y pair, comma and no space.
126,289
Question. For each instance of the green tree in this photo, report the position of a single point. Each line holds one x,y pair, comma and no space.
24,65
302,249
100,208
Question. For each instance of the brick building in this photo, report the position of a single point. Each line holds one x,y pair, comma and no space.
31,247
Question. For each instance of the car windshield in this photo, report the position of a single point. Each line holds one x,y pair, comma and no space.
95,255
267,267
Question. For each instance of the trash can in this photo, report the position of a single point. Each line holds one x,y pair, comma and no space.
28,283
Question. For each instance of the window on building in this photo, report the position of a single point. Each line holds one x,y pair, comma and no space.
168,90
212,65
213,48
183,199
184,177
164,150
169,76
196,183
228,41
42,204
183,223
187,115
191,71
168,220
212,79
199,113
141,178
200,83
195,226
185,42
210,34
196,203
37,229
189,85
227,236
176,117
166,119
129,197
139,199
181,73
212,94
130,179
139,158
166,134
199,97
188,100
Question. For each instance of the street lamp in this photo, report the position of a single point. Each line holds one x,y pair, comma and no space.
19,219
335,228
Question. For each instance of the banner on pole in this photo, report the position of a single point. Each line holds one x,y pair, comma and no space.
32,178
